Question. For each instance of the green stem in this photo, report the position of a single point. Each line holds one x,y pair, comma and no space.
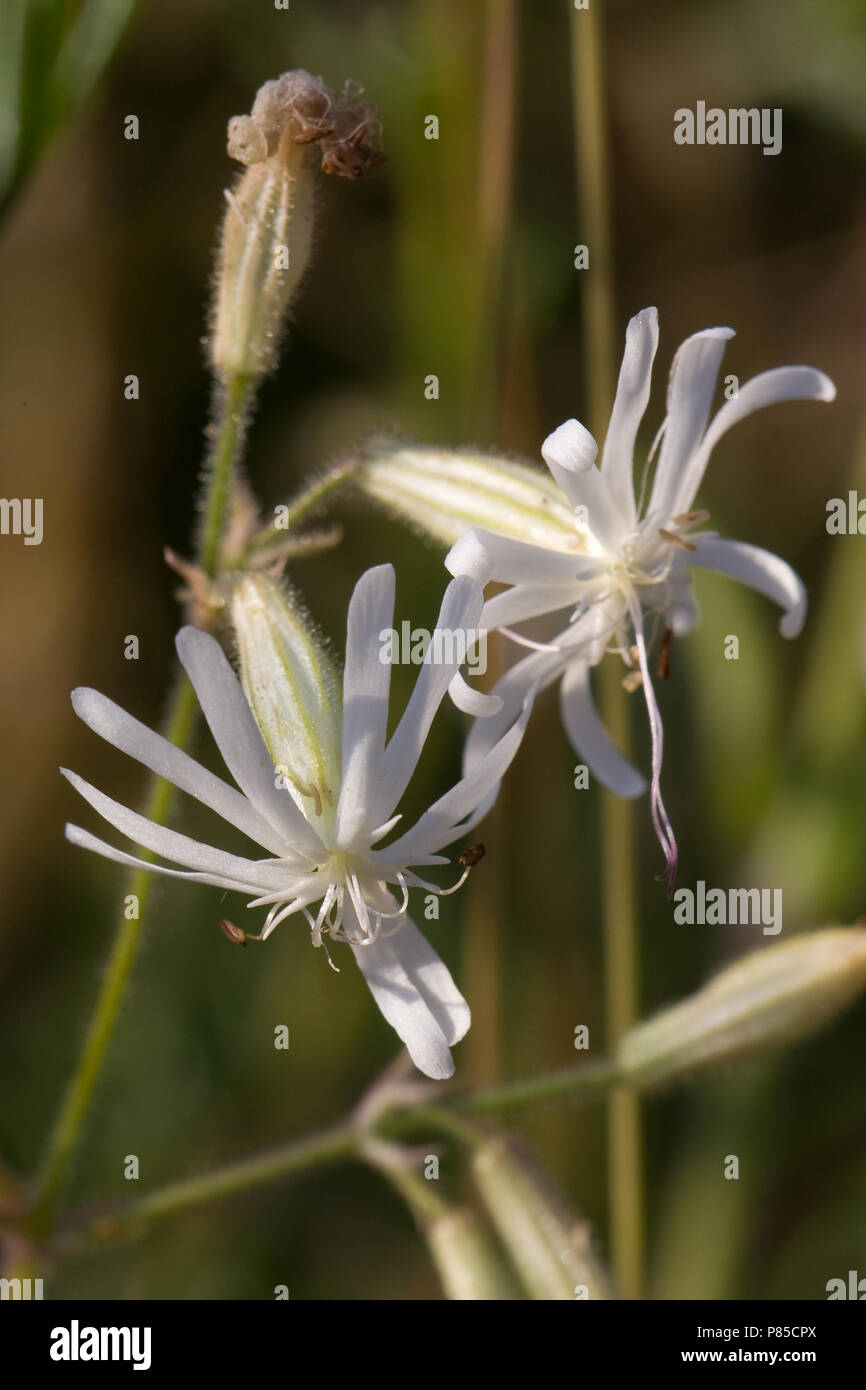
625,1162
444,1119
576,1081
347,1141
178,729
421,1199
319,491
331,1145
232,412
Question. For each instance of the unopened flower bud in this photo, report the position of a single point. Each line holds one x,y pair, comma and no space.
293,690
550,1246
267,232
466,1259
443,493
768,999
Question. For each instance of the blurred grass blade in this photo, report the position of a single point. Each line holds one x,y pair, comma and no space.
812,836
51,54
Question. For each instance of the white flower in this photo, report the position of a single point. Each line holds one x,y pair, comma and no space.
321,819
625,561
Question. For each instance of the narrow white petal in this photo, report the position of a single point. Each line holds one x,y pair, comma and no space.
83,838
433,979
472,701
238,738
121,730
485,556
681,609
590,739
402,1004
607,521
569,451
632,396
470,556
690,396
539,669
760,570
459,615
181,849
441,824
366,684
768,388
525,601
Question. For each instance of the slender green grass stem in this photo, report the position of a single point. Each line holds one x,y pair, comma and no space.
620,918
484,932
178,729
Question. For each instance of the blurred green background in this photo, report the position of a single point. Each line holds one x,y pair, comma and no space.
454,258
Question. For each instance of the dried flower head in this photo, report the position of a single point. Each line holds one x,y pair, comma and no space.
301,109
267,233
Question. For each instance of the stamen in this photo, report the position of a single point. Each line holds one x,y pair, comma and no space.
272,921
661,820
632,681
691,518
527,641
434,887
334,967
401,910
360,906
232,933
663,664
679,541
322,913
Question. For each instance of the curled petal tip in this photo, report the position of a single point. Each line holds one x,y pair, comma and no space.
827,391
570,446
469,556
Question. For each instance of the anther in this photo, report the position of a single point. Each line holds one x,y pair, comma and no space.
472,855
679,541
232,933
663,667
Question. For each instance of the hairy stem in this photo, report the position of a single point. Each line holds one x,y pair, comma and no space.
307,503
231,418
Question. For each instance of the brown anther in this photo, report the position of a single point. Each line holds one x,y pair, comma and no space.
673,539
664,657
473,854
232,933
691,518
633,681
